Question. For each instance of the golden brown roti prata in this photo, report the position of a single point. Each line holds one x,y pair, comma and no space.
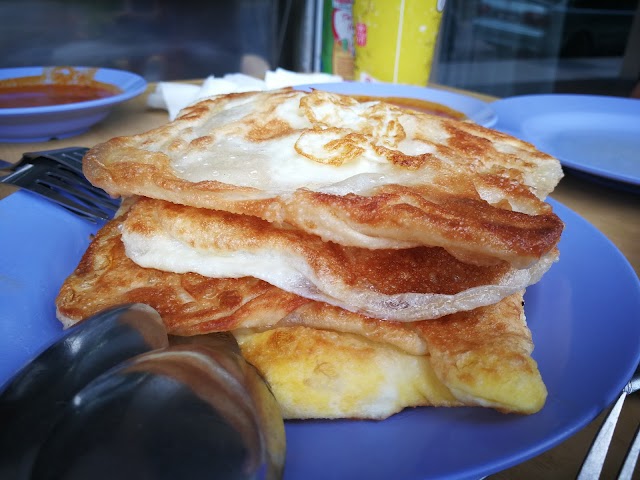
394,284
360,174
191,304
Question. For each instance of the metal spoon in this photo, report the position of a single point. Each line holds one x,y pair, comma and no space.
35,398
192,411
195,409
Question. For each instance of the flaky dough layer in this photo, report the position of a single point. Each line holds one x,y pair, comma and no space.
368,174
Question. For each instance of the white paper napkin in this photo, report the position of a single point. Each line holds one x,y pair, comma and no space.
174,96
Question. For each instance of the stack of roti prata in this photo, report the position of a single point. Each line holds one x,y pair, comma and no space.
367,258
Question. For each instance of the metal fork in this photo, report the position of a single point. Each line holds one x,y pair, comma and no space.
57,175
594,461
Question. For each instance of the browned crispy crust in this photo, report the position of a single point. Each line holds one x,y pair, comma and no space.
398,284
106,277
191,304
448,209
418,269
452,221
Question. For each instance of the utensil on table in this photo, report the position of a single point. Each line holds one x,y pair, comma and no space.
32,402
594,461
57,175
113,398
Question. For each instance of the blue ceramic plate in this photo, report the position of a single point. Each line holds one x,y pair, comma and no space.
475,109
584,316
40,124
592,134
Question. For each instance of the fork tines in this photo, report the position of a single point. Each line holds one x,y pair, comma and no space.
70,157
57,175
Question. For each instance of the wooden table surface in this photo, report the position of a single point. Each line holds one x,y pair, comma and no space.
614,212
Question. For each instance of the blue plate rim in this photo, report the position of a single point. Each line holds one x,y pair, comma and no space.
522,104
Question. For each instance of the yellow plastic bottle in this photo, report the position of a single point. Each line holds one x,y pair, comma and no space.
395,39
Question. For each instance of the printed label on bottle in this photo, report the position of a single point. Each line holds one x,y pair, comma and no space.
338,48
361,34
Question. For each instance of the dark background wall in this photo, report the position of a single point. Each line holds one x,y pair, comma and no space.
160,39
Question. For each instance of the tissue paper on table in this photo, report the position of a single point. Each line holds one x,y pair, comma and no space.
174,96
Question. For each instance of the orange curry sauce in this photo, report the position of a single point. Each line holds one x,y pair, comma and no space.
54,87
423,106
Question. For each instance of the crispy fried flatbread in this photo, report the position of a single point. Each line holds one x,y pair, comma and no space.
360,174
406,285
323,361
191,304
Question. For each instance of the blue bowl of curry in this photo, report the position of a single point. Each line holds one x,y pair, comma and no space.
38,104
